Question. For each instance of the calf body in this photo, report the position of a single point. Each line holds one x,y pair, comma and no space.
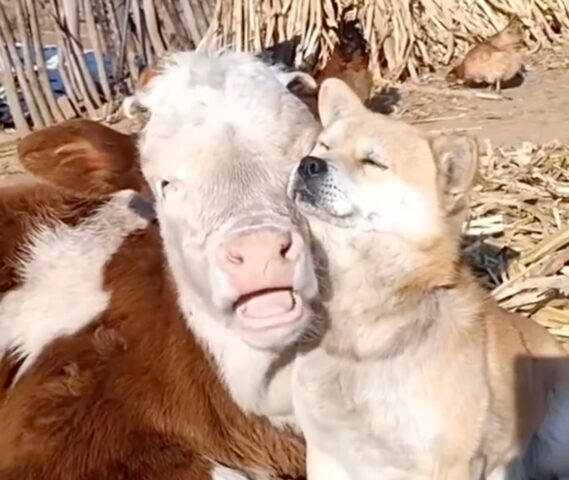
133,348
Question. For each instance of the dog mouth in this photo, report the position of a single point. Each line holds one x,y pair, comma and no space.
269,309
302,194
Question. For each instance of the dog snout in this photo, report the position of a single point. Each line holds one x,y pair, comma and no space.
261,260
312,167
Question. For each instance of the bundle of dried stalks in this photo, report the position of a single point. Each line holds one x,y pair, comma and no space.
519,232
405,36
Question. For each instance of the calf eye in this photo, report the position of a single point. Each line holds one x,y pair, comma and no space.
161,186
374,163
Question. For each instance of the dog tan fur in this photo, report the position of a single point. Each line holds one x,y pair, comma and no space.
421,375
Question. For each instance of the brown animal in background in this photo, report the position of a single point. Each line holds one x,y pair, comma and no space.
350,59
496,60
83,156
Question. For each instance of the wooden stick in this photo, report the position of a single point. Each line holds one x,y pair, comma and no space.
64,66
192,22
12,52
437,119
178,27
71,30
99,58
32,10
132,52
140,33
118,26
23,31
12,96
203,19
84,77
450,92
152,25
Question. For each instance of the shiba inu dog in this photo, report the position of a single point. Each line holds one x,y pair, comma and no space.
420,375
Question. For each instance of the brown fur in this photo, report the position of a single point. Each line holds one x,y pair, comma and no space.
22,210
495,60
83,156
132,395
349,60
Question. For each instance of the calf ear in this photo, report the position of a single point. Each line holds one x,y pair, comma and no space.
302,79
131,106
304,87
337,100
81,155
457,159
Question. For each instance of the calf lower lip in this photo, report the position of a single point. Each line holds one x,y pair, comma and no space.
269,309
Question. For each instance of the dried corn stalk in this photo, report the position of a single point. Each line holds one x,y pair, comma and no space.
406,36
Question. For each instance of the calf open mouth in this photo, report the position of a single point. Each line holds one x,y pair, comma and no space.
270,308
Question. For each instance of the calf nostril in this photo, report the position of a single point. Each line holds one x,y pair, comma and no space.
311,167
234,257
286,245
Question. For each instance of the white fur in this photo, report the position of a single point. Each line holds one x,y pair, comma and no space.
220,472
358,415
63,271
208,92
320,465
207,109
243,368
396,207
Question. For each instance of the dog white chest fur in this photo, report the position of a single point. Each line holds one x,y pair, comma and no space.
377,419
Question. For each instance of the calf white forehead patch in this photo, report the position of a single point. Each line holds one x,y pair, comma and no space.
63,273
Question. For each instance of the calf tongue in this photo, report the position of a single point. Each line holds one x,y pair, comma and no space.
270,304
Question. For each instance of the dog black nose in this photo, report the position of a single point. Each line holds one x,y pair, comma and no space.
312,167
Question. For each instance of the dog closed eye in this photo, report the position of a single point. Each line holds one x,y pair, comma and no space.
374,163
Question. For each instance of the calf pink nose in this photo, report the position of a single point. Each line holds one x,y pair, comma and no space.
264,259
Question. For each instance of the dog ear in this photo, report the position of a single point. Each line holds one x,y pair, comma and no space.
457,159
337,100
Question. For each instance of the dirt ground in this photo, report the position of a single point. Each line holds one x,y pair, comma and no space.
537,111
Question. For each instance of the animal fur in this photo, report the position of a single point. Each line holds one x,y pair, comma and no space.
115,359
421,374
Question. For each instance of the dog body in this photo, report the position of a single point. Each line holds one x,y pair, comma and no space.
420,375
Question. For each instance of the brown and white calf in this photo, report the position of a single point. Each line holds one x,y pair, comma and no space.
161,348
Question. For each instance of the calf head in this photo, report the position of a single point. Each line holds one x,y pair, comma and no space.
222,137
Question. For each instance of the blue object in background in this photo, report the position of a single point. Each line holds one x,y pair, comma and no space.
51,58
